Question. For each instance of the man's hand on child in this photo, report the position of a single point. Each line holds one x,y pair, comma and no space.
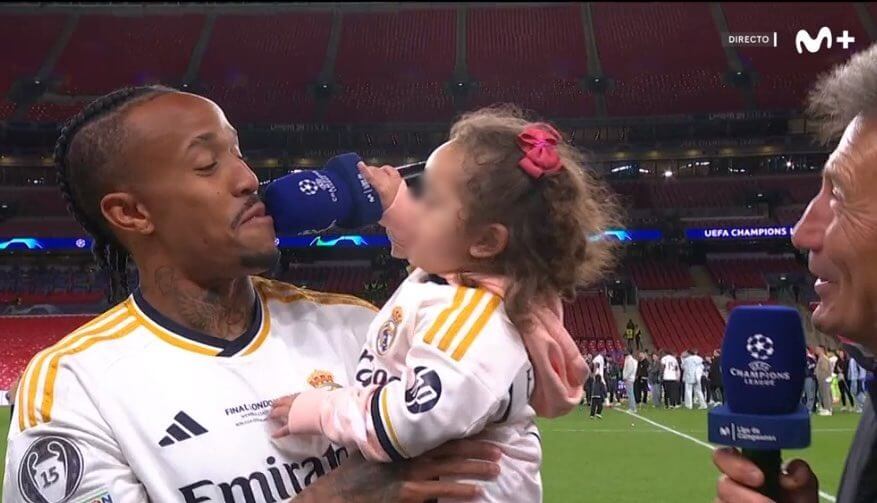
280,414
386,180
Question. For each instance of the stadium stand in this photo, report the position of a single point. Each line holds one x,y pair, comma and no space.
47,112
649,82
589,317
25,336
679,324
259,67
655,275
532,57
106,52
749,273
32,37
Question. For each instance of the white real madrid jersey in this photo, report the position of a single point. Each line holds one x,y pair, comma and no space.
132,407
450,364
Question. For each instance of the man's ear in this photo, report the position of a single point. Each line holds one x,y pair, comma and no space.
490,241
124,212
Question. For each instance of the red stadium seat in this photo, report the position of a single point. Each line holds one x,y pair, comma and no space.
679,324
106,52
685,76
21,337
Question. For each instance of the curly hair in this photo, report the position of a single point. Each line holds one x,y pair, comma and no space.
86,158
842,93
555,223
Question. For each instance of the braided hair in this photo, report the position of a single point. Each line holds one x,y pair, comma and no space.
85,154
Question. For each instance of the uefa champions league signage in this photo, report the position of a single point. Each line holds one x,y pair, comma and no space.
729,233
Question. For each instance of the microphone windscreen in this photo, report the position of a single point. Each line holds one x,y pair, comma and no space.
764,360
310,201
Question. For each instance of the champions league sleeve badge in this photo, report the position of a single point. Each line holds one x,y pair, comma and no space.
50,471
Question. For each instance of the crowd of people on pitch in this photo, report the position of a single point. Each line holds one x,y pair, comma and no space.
669,380
660,379
835,376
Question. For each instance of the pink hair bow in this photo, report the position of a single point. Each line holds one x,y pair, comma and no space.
539,144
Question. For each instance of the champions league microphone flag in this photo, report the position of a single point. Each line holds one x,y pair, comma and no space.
764,364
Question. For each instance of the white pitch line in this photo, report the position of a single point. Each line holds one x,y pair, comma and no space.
822,494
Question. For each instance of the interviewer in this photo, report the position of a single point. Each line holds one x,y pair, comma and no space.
839,229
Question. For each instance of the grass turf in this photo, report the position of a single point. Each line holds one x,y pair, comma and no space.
625,459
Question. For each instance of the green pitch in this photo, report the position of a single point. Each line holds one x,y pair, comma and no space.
625,459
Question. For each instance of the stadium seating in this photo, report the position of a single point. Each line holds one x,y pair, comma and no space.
589,317
532,57
259,67
653,275
402,77
749,273
409,45
27,40
678,324
685,76
106,52
783,75
713,192
21,337
53,112
368,102
7,108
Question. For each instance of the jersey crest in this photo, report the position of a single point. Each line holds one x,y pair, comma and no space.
323,379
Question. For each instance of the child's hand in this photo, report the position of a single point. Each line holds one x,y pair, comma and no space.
386,180
280,413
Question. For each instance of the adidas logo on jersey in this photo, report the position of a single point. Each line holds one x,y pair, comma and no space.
184,427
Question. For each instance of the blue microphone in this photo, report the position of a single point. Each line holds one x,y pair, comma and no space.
314,201
764,363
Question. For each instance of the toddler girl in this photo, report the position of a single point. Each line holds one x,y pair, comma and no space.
472,342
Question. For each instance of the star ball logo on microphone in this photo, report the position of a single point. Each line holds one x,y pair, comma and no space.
760,373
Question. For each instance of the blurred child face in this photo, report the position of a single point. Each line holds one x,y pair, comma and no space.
438,243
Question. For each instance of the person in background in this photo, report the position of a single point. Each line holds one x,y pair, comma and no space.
823,379
613,375
629,376
598,394
641,386
810,382
705,380
638,336
692,371
590,381
842,368
655,372
717,391
629,332
856,379
680,380
599,365
670,380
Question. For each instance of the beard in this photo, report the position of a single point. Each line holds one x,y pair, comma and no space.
261,261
